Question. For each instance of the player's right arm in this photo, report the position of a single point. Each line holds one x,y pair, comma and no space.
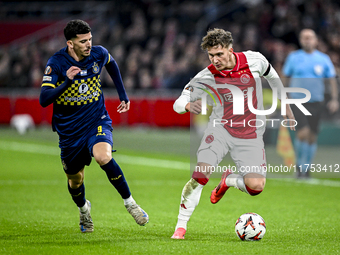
189,101
49,92
183,104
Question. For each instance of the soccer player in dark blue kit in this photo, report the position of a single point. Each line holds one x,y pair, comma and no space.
72,83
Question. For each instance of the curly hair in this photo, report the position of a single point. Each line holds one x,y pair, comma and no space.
76,27
216,36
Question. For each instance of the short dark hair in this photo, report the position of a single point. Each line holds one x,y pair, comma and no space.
215,37
76,27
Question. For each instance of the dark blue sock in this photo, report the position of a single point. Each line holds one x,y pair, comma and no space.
116,177
78,195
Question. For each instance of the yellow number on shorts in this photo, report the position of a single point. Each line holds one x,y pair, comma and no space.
100,129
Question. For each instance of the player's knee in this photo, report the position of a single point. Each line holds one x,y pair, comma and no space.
312,138
75,180
75,183
103,158
303,134
255,185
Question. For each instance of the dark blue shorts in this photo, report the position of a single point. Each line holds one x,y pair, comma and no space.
75,157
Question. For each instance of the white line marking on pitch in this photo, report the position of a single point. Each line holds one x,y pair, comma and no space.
144,161
126,159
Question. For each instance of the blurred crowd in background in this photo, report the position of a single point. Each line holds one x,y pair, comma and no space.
157,43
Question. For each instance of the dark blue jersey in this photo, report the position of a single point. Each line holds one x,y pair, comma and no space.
81,105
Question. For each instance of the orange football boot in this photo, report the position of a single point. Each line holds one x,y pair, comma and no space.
220,189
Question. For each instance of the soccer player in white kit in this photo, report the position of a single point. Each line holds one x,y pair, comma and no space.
239,134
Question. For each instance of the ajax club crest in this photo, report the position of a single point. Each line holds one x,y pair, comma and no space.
245,78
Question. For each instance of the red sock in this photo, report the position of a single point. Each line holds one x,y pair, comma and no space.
200,178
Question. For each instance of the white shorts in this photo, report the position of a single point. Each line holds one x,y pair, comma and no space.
248,154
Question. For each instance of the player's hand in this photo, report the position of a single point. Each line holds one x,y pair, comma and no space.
123,107
290,117
72,71
194,107
333,105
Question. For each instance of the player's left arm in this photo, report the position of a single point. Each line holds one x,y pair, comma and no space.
270,74
113,70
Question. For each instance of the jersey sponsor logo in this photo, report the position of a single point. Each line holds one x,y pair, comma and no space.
228,97
82,98
47,78
48,70
95,67
83,88
245,78
209,139
81,92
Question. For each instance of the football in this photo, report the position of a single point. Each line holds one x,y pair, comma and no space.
250,227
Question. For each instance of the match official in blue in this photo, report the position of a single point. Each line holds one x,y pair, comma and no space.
309,68
71,82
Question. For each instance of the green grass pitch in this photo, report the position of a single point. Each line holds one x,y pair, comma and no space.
37,215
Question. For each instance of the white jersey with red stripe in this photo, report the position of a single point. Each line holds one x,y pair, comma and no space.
250,66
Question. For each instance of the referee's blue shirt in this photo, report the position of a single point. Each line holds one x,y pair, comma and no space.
308,70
